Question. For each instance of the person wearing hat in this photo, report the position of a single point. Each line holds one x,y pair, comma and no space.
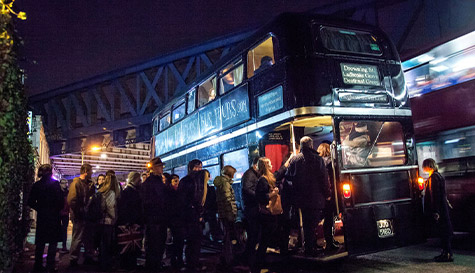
153,193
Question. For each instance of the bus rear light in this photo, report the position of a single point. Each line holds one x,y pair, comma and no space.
346,190
420,182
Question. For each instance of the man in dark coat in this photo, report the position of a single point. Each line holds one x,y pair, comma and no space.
153,193
80,191
47,199
311,188
251,209
130,221
194,193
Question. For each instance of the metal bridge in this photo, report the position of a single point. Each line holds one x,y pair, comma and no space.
113,112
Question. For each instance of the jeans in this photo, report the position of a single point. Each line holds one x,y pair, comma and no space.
82,234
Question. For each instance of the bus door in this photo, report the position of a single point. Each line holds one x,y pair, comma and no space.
376,186
277,145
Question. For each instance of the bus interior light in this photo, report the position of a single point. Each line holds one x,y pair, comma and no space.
420,182
346,190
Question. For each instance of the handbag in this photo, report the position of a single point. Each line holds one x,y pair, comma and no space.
274,207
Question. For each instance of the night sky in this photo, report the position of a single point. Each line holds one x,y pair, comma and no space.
69,41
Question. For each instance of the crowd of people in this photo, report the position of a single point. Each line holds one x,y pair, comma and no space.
114,222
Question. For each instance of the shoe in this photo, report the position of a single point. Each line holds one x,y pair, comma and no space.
197,268
335,245
52,269
444,258
73,263
177,264
39,268
90,261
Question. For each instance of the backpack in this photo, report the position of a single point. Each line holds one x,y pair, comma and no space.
94,212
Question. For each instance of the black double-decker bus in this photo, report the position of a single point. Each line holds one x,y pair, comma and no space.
308,75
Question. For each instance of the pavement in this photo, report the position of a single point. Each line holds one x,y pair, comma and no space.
416,258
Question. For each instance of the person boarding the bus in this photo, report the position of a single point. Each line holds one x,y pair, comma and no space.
330,208
311,188
251,209
152,191
436,209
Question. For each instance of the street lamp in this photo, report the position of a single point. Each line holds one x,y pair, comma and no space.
83,150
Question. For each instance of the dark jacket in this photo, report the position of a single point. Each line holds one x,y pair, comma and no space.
129,207
153,192
79,193
225,198
435,201
309,177
47,199
174,206
192,190
248,190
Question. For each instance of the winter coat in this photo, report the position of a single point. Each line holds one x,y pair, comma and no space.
435,201
248,191
47,199
109,208
129,207
309,177
192,190
79,193
153,192
225,198
174,206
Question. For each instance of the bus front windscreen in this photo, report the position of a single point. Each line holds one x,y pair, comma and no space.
372,143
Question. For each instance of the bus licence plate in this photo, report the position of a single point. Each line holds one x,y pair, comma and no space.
385,228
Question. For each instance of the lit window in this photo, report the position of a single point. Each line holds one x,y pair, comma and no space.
207,91
260,57
372,143
165,121
230,77
178,112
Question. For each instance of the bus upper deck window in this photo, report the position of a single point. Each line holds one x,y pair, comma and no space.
178,112
230,77
350,41
260,57
165,121
207,91
191,102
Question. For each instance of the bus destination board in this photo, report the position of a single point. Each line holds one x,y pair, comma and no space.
360,74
